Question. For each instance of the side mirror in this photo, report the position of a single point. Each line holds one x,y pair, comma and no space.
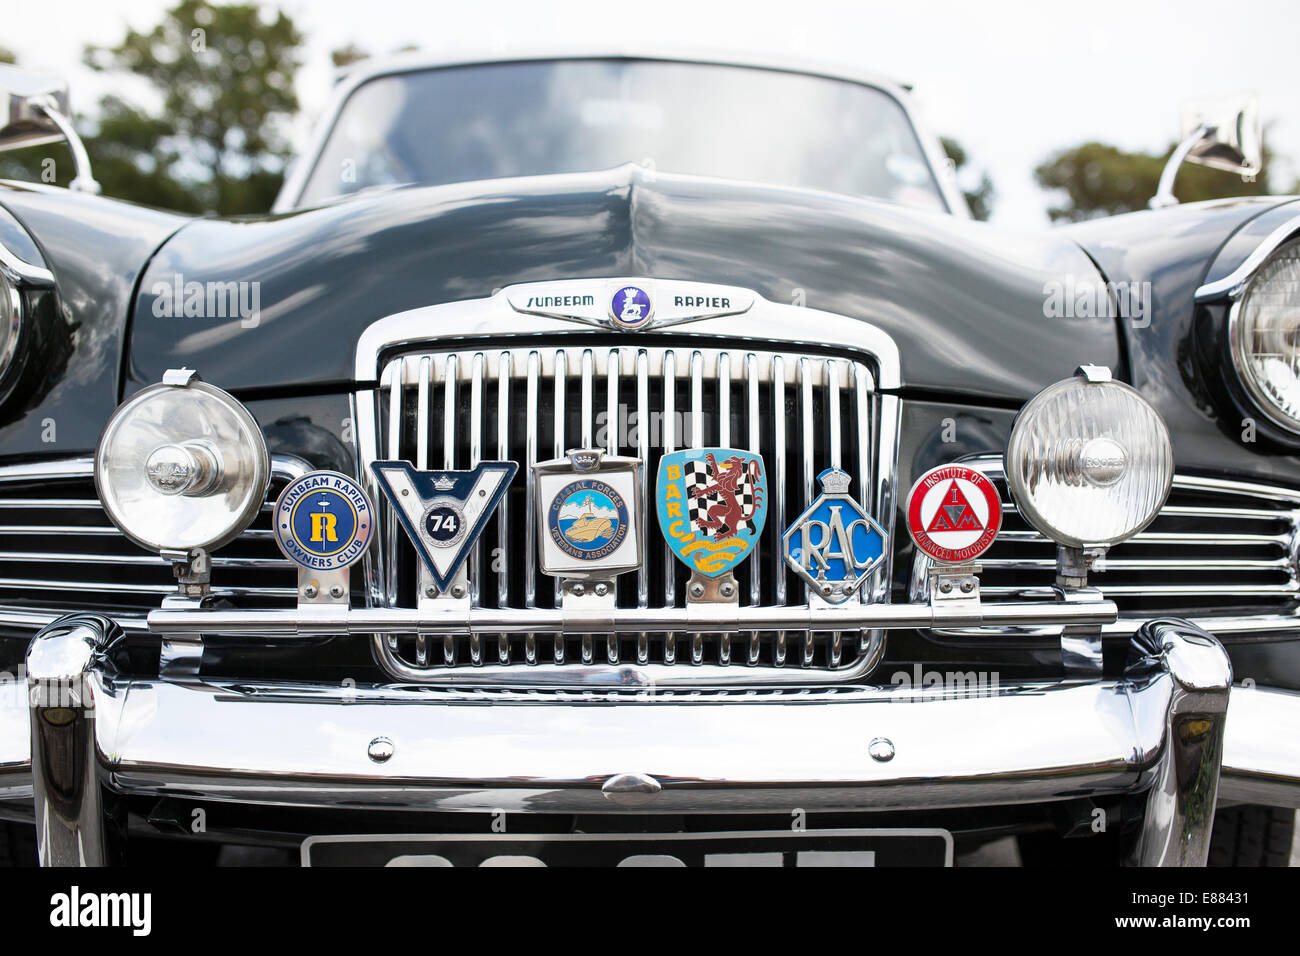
1221,132
23,120
34,110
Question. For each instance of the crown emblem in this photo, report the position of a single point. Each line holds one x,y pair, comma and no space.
443,483
835,482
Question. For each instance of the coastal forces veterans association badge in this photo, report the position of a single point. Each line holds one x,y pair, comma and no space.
323,521
953,513
834,545
712,503
444,512
587,508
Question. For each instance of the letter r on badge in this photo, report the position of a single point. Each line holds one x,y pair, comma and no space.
322,527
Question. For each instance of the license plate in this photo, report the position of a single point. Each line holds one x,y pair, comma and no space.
915,847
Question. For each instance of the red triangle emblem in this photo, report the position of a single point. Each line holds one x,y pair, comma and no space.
954,513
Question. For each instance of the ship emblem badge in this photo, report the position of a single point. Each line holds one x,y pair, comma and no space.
834,545
712,503
444,512
323,521
587,514
953,513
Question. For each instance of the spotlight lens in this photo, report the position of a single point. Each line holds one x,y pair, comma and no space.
182,467
1089,463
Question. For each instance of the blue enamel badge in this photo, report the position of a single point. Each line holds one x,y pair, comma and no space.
834,545
444,512
323,521
712,503
630,307
587,519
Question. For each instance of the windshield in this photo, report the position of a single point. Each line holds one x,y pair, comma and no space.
487,121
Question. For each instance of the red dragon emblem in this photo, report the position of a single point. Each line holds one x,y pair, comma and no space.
724,517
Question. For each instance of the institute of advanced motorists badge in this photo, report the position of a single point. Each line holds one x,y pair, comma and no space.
953,513
834,545
712,503
444,512
323,521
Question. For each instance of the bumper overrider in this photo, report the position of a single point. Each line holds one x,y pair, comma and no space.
77,732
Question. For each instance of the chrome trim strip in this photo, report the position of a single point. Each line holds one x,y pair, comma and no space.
722,619
1261,762
22,271
1234,283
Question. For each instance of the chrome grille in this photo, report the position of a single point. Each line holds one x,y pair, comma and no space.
59,551
452,409
1217,546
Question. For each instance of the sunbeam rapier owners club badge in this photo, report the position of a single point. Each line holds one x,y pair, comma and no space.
323,521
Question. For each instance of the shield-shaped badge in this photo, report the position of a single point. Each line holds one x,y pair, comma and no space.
712,503
444,512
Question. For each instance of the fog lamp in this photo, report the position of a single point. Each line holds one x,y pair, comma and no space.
181,465
1089,461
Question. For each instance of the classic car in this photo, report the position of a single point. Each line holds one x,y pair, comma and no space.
630,457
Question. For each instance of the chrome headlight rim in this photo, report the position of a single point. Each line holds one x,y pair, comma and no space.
1244,376
261,479
11,321
1023,496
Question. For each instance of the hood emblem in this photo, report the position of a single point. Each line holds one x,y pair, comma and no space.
628,304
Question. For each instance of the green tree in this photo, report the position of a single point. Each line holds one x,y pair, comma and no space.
226,77
979,198
1102,180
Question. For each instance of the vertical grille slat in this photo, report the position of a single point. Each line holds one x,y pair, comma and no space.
539,402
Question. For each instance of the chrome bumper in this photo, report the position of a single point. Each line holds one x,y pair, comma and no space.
1160,730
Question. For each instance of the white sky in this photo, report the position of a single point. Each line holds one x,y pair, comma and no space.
1012,81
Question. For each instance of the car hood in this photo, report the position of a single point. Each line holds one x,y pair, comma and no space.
964,301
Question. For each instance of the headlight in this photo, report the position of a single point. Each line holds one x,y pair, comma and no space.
181,466
11,316
1089,461
1264,336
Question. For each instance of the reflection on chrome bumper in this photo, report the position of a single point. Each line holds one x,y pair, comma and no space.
1159,730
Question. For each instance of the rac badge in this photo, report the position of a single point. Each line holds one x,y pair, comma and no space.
953,513
712,503
323,521
834,545
587,515
444,512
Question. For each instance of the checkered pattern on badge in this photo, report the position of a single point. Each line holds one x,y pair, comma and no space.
697,475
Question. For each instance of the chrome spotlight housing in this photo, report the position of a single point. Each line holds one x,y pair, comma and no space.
1089,462
182,466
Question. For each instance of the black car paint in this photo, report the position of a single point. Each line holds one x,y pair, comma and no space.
963,300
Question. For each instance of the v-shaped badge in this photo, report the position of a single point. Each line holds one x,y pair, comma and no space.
444,512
